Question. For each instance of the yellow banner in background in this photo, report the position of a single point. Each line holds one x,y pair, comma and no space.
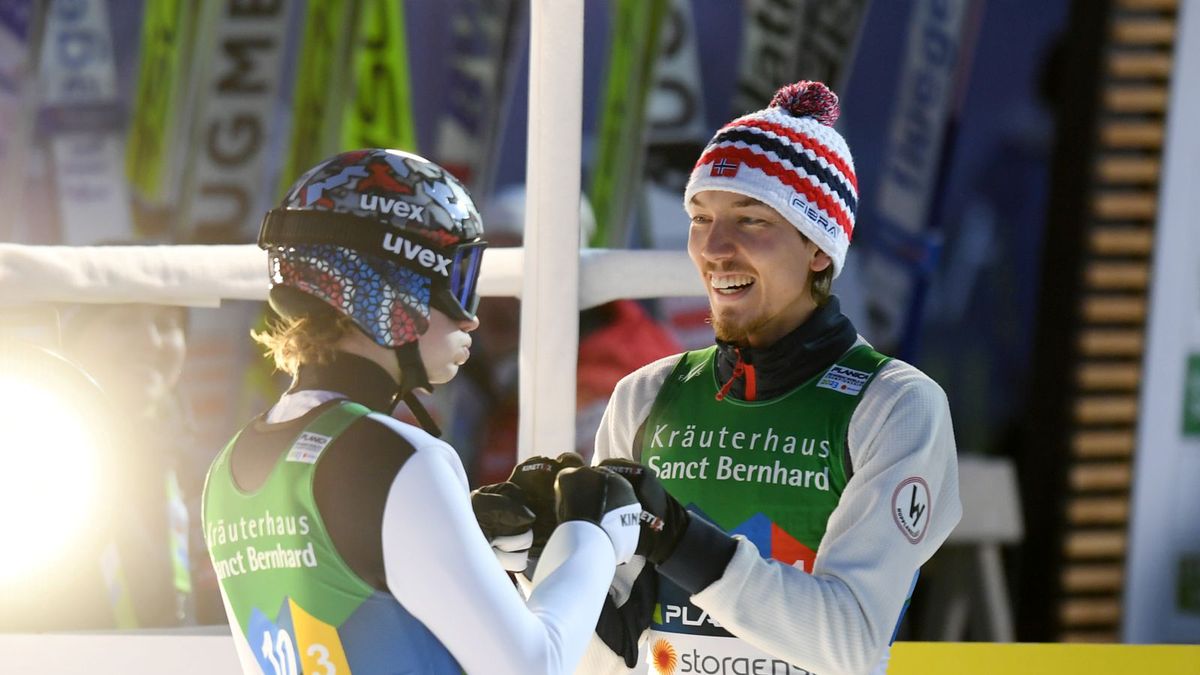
982,658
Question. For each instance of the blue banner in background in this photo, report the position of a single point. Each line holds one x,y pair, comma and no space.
487,37
975,331
81,122
903,240
16,16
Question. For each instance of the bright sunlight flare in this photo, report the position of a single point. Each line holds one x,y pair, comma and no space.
49,478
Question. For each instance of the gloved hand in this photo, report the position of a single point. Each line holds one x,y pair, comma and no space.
506,522
621,626
600,496
535,476
663,518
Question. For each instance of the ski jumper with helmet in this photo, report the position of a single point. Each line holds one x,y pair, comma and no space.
287,589
380,237
345,540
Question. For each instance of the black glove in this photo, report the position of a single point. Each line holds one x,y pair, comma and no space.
663,518
621,627
506,522
604,498
535,476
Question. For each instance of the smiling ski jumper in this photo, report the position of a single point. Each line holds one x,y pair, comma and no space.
830,476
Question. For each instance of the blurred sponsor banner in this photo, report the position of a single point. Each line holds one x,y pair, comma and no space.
902,238
788,40
156,149
1162,585
486,38
19,23
617,171
238,68
676,130
320,87
379,109
677,133
351,84
80,121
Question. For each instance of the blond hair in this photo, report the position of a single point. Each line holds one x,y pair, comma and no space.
294,341
821,285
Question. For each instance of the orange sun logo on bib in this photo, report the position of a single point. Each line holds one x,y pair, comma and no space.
662,657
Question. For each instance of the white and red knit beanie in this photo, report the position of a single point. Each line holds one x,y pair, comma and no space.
789,157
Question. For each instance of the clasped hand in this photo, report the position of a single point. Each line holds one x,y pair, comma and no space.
518,516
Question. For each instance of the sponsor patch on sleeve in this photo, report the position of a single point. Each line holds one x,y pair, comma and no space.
911,504
308,448
844,380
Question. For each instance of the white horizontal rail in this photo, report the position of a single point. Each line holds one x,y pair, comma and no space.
200,651
202,276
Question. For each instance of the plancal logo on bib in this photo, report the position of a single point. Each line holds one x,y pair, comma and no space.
663,658
844,380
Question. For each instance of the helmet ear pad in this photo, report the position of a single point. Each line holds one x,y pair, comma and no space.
293,303
390,304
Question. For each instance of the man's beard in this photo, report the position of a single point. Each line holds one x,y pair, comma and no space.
735,331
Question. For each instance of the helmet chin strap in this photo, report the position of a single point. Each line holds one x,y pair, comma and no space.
413,376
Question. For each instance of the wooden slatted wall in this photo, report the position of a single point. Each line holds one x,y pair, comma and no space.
1123,204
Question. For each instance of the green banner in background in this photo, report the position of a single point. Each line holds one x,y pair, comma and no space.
616,173
1188,591
154,150
321,87
1191,397
380,115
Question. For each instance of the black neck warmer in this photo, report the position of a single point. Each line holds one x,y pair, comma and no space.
360,380
766,372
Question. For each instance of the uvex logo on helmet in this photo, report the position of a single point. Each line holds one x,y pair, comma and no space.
398,207
414,252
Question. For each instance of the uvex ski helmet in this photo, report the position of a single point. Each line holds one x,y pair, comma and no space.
379,236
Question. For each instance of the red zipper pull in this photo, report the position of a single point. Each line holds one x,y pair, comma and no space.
739,368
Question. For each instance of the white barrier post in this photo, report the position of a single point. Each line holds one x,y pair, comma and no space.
550,295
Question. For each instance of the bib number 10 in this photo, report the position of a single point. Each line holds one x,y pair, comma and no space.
280,652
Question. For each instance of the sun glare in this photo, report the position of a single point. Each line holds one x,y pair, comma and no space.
49,477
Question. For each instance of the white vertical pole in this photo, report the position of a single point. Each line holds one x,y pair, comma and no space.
1163,529
550,291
